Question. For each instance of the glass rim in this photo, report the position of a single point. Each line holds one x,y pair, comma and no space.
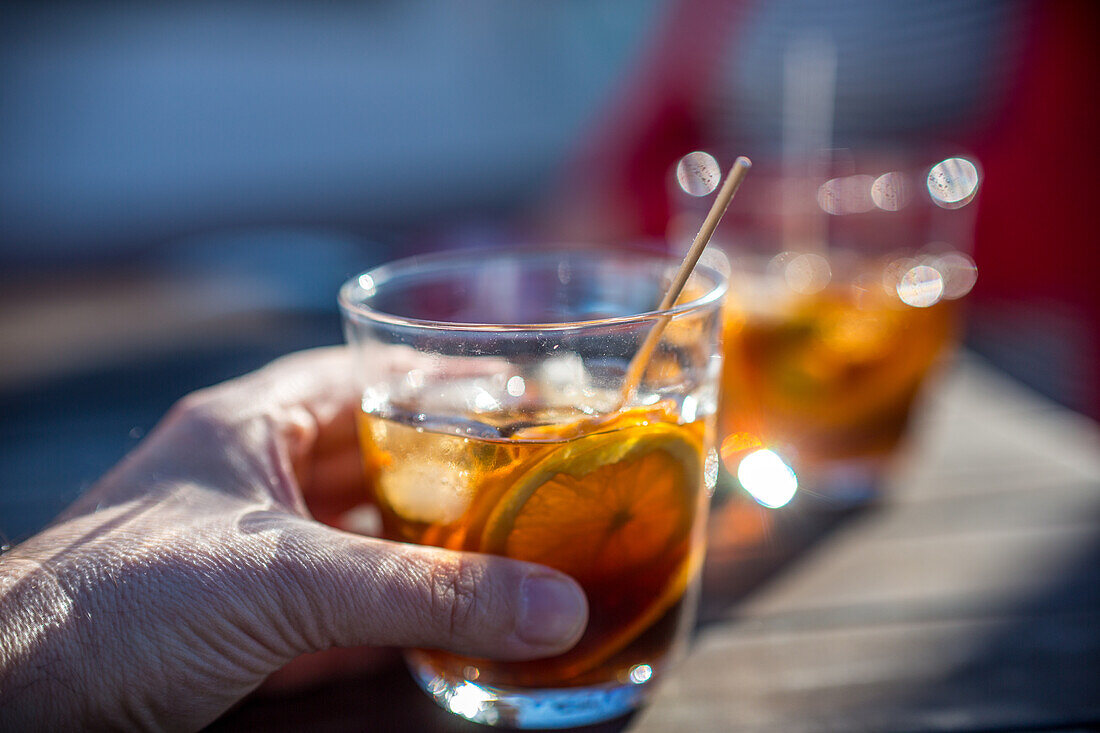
378,276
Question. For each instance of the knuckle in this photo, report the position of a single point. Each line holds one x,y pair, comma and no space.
216,415
195,410
460,597
287,362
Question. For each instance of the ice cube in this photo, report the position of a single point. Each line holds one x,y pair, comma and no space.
423,489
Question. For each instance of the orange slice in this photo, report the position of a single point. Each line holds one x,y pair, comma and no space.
602,505
604,508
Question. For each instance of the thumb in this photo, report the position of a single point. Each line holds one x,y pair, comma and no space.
342,589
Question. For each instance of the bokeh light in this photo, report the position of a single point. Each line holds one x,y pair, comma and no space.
921,286
953,183
807,273
891,191
698,173
893,272
767,478
640,673
959,274
846,195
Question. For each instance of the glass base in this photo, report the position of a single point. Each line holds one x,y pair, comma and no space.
526,708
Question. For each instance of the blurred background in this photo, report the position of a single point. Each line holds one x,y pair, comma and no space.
183,186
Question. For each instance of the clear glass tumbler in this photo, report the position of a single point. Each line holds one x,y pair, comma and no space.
495,418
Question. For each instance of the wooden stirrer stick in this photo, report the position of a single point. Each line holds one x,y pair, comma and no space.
638,364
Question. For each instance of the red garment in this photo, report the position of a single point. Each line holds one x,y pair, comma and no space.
1040,154
1035,241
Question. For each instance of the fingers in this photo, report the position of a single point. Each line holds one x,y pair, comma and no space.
309,403
333,483
344,590
318,379
261,434
340,589
309,396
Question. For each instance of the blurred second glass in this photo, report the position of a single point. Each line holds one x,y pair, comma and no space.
847,273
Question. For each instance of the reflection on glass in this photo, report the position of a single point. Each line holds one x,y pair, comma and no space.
469,700
366,282
516,386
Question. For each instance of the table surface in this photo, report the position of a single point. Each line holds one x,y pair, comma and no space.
967,598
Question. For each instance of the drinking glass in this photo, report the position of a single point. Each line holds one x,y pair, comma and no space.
845,293
495,418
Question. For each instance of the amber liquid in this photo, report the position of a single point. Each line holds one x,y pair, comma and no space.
440,486
826,376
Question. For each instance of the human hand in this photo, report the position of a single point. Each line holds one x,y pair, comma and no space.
193,569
